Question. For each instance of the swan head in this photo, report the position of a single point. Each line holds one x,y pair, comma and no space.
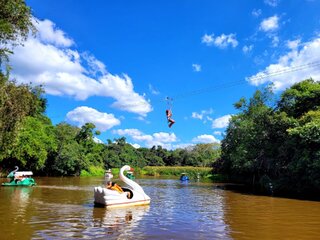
126,168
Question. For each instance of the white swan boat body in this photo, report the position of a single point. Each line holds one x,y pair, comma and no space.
112,198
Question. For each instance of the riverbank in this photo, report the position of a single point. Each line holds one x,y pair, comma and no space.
204,173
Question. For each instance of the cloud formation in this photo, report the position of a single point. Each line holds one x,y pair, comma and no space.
256,12
202,115
205,138
221,122
102,121
48,60
271,3
301,62
270,24
222,41
153,90
156,139
196,67
246,49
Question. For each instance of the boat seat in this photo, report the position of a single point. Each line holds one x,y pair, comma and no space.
128,190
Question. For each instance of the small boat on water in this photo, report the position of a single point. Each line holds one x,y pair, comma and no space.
184,177
111,198
130,175
108,175
20,178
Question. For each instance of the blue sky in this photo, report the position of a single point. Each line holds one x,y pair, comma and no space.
114,63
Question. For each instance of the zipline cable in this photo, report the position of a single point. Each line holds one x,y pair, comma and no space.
263,75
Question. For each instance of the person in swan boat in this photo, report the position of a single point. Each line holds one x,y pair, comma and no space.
113,186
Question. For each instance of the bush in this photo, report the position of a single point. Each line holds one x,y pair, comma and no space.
93,171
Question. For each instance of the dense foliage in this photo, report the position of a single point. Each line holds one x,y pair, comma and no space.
276,148
15,25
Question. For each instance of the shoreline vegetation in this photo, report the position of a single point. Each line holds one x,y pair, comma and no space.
204,173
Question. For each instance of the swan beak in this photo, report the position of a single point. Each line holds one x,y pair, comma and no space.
131,169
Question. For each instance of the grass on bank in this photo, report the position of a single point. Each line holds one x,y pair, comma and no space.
158,171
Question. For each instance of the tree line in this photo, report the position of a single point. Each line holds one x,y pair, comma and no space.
274,144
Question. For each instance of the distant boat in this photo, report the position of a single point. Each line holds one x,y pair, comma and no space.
184,177
22,178
108,174
130,175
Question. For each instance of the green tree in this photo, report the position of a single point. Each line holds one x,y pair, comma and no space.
15,24
17,102
278,146
207,154
244,147
300,98
36,141
69,158
120,153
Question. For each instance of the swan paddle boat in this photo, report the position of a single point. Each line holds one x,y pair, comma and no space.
111,198
21,178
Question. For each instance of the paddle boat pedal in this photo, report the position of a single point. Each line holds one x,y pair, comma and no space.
111,198
22,178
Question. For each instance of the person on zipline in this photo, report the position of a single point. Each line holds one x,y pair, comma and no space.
170,120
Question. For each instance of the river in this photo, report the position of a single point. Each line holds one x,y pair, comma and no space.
62,208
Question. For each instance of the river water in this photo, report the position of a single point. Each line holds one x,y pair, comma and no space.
62,208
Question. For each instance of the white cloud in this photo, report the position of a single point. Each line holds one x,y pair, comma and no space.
156,139
97,140
272,3
270,24
102,121
202,114
294,44
153,90
246,49
221,122
205,138
135,145
256,12
197,115
275,41
207,39
48,33
219,133
96,67
295,66
196,67
63,71
221,41
183,145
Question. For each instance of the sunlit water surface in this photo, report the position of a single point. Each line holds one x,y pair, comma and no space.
62,208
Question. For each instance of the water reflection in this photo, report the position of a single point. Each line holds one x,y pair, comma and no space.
63,209
117,222
260,217
19,200
15,211
192,211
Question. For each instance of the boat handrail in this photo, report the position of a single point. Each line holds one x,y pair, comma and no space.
23,173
